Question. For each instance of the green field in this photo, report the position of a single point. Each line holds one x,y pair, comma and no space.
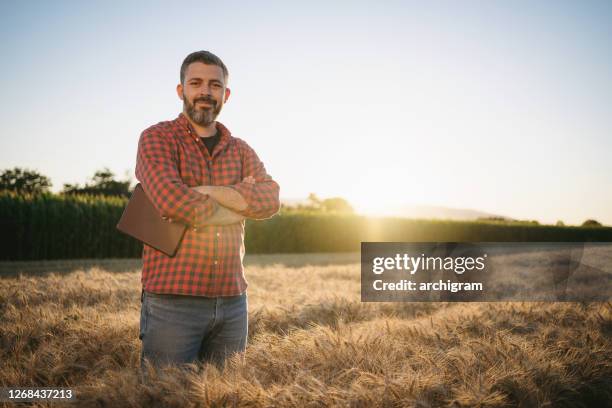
48,227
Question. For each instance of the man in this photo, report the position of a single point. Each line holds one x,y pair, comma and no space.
194,305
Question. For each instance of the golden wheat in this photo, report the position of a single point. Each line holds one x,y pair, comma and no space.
311,343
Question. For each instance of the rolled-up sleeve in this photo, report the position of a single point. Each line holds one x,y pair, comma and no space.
157,172
262,197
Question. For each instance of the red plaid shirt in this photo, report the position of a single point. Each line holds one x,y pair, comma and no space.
171,159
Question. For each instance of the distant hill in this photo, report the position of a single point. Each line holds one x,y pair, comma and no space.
432,211
423,211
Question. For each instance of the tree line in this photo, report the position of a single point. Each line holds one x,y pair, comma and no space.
25,181
103,183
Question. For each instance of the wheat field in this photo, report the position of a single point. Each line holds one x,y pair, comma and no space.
312,343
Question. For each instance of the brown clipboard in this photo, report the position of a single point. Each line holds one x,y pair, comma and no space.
141,220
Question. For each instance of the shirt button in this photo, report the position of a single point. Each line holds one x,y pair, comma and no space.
195,229
218,234
216,262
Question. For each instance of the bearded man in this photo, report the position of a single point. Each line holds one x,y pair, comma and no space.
194,305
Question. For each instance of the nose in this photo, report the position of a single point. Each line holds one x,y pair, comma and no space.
205,90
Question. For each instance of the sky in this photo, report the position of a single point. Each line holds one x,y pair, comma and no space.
503,107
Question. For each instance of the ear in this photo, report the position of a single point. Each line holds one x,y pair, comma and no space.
227,94
179,91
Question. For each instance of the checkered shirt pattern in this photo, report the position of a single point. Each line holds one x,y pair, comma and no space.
171,159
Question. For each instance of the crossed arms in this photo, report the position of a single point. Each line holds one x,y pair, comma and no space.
228,198
157,163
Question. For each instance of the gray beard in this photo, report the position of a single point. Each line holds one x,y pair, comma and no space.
203,117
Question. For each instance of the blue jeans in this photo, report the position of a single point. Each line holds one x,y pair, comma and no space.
177,329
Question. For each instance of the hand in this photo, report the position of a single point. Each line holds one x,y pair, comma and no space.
202,189
249,180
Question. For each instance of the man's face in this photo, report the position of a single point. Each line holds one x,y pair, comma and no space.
203,92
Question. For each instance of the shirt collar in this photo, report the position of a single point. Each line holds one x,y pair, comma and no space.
224,136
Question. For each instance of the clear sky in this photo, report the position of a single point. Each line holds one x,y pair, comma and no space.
500,106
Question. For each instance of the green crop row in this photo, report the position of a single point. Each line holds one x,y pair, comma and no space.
51,226
341,233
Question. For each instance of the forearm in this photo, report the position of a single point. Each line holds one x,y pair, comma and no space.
262,198
225,196
224,216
